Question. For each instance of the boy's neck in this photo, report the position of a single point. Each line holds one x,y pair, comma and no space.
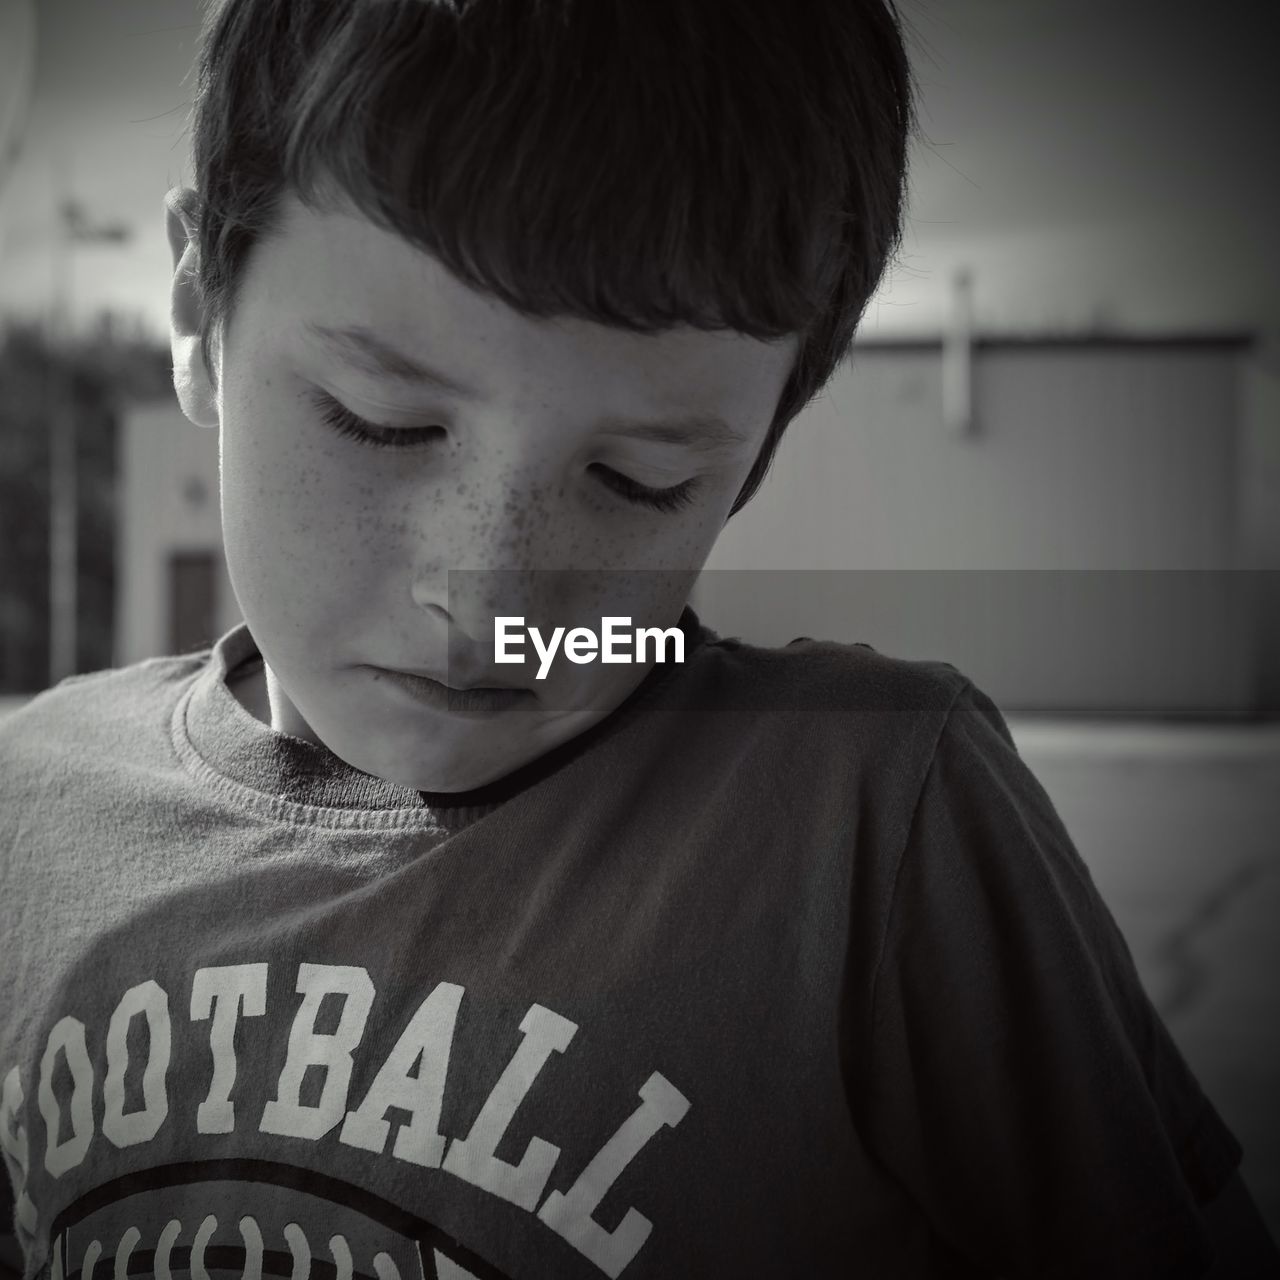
249,687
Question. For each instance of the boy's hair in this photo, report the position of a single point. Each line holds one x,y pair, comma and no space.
731,164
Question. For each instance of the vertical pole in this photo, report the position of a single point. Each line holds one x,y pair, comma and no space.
62,540
62,477
957,357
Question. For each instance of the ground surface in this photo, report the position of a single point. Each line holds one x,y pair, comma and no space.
1181,830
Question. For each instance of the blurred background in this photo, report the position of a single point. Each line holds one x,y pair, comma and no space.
1053,459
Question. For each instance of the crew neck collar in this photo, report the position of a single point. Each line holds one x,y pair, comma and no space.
211,725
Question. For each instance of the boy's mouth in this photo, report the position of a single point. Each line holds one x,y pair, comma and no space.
474,700
457,682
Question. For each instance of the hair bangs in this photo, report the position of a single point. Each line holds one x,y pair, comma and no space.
632,200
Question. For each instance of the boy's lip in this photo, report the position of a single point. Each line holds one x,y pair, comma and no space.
479,680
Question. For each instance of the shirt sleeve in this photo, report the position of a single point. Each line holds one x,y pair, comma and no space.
1021,1086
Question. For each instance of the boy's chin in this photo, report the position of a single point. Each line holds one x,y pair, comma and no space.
459,773
454,759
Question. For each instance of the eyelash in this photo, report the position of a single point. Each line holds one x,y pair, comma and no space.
345,423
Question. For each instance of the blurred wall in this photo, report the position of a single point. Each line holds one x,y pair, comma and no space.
1079,550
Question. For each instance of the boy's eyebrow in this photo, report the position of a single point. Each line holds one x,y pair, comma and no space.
362,349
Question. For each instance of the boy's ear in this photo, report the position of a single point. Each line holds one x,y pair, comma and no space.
191,379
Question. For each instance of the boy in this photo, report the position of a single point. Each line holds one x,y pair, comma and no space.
342,945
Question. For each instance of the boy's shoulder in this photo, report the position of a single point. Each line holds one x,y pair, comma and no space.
835,709
836,675
110,711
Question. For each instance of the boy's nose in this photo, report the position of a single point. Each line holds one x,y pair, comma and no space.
505,555
474,598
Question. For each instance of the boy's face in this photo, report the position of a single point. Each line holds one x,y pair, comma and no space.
340,551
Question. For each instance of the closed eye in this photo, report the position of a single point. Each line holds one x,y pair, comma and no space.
672,499
341,420
346,423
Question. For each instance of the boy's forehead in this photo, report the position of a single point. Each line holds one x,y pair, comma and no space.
338,281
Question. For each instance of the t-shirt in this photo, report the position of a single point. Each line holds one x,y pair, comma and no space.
786,968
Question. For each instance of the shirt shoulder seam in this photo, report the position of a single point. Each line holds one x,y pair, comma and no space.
965,685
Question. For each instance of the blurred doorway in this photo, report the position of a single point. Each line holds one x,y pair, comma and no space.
192,600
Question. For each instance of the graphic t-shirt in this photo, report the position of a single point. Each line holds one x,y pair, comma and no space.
786,968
